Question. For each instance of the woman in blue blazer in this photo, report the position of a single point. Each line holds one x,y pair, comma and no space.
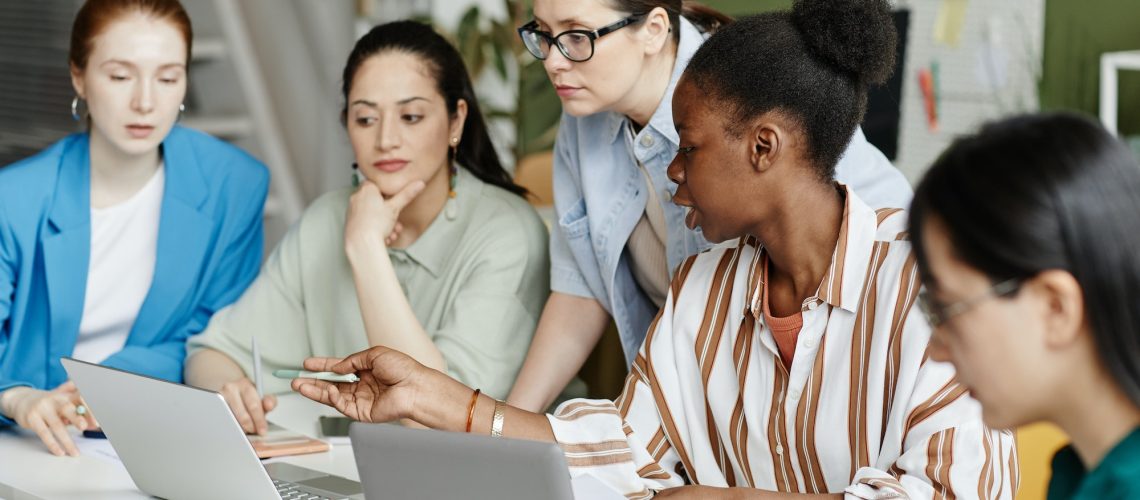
119,243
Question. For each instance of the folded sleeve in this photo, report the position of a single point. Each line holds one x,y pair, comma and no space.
632,444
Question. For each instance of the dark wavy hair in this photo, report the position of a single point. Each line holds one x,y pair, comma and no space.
813,63
476,153
1040,192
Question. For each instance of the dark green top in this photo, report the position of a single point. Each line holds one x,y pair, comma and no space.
1117,476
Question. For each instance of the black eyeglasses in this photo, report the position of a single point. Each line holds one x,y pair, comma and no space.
938,314
576,45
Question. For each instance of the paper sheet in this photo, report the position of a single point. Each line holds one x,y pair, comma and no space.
98,448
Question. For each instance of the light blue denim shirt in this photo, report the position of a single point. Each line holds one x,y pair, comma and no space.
599,195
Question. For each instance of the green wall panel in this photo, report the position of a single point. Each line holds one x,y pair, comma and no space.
1076,33
743,7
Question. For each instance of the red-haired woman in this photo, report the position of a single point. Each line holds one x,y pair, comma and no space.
118,243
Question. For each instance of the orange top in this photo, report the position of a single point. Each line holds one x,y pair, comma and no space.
785,330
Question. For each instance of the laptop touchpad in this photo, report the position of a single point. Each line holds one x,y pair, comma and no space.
291,473
335,484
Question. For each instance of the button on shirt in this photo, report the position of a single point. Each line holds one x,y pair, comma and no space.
647,242
600,195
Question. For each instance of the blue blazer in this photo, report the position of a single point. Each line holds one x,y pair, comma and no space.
209,250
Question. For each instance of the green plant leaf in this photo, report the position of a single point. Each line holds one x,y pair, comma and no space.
501,54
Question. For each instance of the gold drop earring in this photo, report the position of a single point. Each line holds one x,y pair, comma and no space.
451,208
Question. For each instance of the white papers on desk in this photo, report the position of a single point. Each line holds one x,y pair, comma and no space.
589,487
98,448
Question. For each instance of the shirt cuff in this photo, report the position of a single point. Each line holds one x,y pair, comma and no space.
873,484
570,282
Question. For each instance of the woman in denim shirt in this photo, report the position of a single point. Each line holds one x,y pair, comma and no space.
617,238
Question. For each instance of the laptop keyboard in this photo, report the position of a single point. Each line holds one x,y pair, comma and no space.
294,491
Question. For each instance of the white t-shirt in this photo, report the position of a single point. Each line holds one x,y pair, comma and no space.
124,242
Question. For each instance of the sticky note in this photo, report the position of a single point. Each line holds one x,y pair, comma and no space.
948,24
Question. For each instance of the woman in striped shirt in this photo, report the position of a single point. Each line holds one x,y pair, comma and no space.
1032,288
787,364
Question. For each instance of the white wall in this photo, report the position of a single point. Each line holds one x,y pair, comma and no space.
991,73
301,46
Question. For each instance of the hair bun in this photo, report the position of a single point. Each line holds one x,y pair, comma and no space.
856,36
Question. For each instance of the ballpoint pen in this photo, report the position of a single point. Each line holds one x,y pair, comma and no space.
256,366
327,376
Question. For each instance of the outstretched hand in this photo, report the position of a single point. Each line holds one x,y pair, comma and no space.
385,392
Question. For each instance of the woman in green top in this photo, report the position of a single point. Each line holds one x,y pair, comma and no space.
1028,238
447,264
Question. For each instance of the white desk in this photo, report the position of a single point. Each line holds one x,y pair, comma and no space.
28,471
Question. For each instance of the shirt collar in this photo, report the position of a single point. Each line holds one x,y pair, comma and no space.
662,119
842,284
184,180
433,249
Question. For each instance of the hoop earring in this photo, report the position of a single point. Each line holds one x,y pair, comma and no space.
75,109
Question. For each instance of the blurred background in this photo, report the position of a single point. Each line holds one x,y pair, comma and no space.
265,75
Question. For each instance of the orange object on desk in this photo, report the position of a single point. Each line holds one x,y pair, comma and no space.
283,442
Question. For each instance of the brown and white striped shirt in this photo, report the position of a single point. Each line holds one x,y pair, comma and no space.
862,410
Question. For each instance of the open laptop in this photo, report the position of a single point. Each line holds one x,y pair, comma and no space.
178,441
396,462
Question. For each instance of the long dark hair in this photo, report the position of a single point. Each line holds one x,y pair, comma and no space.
706,18
476,153
1040,192
814,62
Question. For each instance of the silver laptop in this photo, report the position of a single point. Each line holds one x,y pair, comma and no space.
177,441
396,462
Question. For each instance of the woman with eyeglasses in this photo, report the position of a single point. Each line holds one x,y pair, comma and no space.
617,238
789,363
1028,239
